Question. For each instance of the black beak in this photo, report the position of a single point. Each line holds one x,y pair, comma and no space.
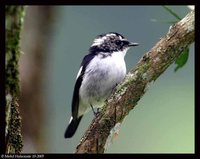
133,44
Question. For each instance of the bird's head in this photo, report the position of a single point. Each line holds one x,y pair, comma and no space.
111,42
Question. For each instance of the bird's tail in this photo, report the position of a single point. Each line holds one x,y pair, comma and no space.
73,125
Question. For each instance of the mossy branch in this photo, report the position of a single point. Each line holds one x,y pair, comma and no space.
14,20
129,92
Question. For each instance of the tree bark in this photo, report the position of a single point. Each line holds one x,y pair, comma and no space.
137,81
14,20
35,38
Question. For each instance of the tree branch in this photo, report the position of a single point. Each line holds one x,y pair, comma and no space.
128,93
13,137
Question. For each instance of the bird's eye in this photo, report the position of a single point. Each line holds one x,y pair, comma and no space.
118,42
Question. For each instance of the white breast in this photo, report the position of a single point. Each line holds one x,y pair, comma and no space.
101,76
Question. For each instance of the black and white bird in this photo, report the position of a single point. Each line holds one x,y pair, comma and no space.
100,71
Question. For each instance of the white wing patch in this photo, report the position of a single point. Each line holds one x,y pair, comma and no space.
70,119
79,72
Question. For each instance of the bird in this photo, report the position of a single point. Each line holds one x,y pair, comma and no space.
101,70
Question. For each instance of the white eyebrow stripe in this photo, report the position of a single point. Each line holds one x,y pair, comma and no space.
120,37
99,41
110,35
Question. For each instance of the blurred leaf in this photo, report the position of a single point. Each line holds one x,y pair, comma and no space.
182,59
172,12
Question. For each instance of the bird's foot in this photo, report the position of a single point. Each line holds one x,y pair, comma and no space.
95,112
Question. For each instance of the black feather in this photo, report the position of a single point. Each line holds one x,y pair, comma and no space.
75,99
87,59
97,49
73,125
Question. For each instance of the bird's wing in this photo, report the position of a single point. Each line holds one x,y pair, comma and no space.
79,79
